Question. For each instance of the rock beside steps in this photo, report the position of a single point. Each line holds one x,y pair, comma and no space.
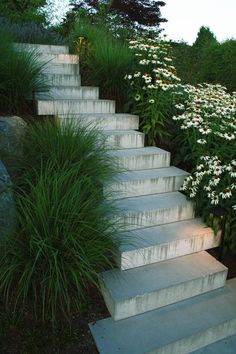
167,295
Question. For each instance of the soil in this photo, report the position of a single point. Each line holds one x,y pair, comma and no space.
26,337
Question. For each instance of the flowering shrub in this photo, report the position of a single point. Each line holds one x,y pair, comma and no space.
207,118
151,83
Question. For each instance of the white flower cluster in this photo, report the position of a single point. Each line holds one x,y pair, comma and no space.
210,177
210,110
155,66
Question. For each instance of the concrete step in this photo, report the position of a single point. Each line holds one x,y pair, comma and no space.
224,346
124,139
58,58
135,291
140,159
69,92
179,328
144,182
43,48
74,106
160,243
62,79
153,210
61,68
109,121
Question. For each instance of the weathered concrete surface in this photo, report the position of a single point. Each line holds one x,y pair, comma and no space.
62,80
142,158
69,92
106,121
180,328
55,107
124,139
43,48
155,209
144,182
7,205
224,346
150,287
159,243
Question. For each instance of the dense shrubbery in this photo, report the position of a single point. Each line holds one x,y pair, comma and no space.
206,60
19,76
66,225
31,32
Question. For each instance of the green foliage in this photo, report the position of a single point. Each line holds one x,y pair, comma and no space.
22,10
206,60
123,18
106,60
19,76
66,225
219,64
204,38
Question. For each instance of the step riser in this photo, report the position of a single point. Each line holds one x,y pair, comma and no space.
202,339
144,162
164,297
43,49
125,141
104,124
69,93
134,221
58,58
61,69
145,187
62,80
67,107
163,252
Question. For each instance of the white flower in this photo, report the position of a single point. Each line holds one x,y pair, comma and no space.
151,101
201,141
226,193
137,97
229,136
205,130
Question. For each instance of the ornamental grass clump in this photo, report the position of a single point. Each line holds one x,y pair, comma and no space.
66,232
151,83
105,59
207,122
20,76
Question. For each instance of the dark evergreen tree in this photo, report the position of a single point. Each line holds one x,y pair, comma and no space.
133,13
22,10
204,38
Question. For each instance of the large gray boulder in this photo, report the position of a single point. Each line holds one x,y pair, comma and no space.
7,204
12,130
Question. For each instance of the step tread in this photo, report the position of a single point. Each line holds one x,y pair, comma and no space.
153,201
124,285
155,173
224,346
163,234
185,325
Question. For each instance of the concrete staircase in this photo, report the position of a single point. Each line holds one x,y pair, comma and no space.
167,295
